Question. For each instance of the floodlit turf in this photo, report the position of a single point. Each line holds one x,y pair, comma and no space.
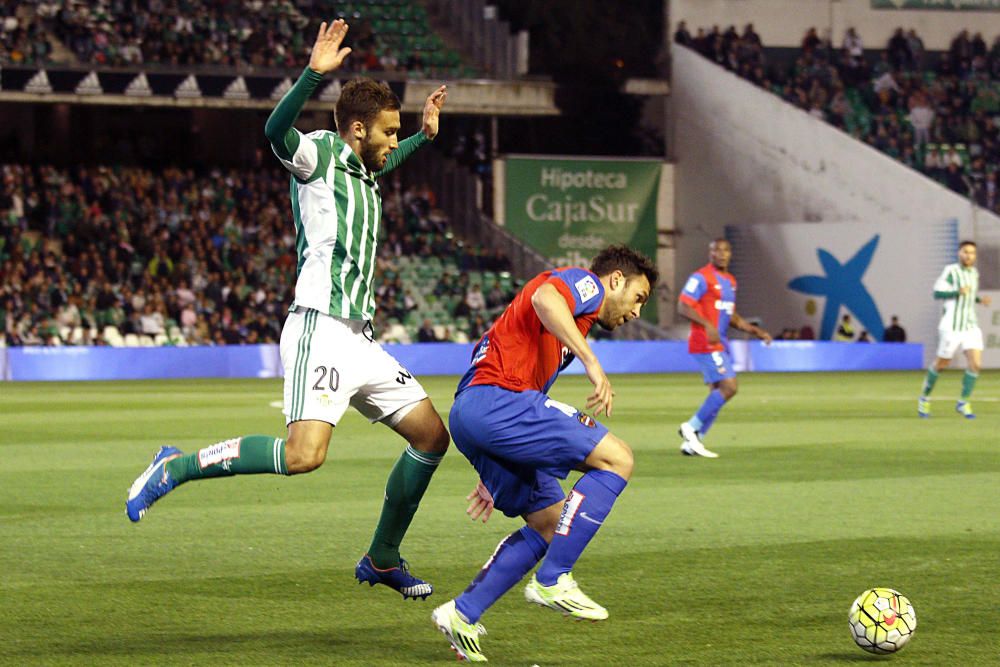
827,484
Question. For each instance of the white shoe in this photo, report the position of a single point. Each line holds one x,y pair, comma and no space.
565,597
692,445
462,635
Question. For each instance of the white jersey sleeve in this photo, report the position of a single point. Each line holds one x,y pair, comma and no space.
305,160
946,281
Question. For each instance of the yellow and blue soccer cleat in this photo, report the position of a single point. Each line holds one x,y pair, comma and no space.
565,597
397,578
152,484
923,407
464,636
964,408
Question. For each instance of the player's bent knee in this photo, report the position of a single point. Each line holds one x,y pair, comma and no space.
423,429
438,443
544,521
612,454
304,453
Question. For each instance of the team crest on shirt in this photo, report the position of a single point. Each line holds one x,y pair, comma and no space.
586,288
586,420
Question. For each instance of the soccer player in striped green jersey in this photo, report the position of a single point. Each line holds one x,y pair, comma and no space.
958,288
328,351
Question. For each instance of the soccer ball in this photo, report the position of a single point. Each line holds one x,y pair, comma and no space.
882,620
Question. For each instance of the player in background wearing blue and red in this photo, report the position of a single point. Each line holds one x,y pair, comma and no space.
521,442
709,301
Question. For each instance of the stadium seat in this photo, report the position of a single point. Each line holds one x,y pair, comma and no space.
113,337
131,340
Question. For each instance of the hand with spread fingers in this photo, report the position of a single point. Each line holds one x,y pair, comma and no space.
432,111
326,52
481,503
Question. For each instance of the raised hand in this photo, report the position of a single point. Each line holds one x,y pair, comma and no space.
326,52
432,110
481,503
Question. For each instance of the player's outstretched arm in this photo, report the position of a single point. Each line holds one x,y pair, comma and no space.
557,318
432,111
752,329
327,55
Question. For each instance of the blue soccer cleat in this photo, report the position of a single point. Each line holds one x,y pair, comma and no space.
152,484
964,408
924,407
397,578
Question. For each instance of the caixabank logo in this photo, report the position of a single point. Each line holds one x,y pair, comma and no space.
843,286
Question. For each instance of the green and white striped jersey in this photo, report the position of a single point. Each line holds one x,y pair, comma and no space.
337,207
959,312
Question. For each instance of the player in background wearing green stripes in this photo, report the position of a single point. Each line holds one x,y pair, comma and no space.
327,345
958,288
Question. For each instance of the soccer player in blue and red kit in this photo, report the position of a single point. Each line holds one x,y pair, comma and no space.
709,301
521,442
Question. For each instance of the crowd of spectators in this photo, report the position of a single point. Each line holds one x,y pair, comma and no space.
178,257
220,33
894,333
937,115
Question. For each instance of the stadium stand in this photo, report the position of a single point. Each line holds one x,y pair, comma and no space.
127,256
937,113
386,35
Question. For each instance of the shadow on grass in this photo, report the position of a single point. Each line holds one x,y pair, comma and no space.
255,646
858,656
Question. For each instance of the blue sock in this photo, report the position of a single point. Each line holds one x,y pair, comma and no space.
709,410
514,557
587,505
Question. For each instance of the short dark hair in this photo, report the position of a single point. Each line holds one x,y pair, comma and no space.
965,243
363,99
629,262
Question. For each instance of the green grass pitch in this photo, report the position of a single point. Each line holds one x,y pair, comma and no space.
827,485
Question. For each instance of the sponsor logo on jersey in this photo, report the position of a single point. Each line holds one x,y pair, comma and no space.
587,288
727,306
691,286
481,351
569,511
222,452
586,420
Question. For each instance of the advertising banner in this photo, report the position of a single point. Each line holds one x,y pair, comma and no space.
812,274
570,208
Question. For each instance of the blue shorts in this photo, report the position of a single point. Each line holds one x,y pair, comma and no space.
715,366
520,443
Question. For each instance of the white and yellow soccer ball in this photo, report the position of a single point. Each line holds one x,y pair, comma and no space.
882,620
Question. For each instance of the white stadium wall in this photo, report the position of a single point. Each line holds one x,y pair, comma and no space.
745,157
783,23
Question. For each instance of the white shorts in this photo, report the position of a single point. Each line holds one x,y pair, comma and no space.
331,363
949,342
